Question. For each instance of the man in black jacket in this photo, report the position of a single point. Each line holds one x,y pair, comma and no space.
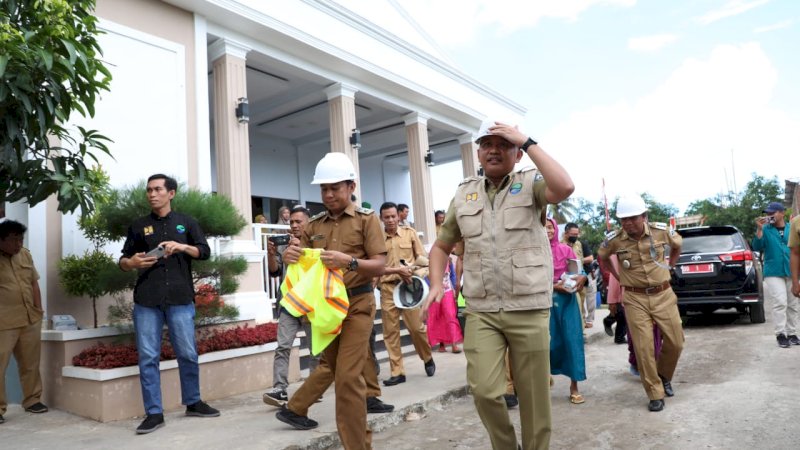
161,246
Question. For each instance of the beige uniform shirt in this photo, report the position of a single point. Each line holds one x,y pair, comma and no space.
405,245
794,236
637,259
17,275
357,232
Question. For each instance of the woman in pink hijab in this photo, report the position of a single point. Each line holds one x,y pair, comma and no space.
566,330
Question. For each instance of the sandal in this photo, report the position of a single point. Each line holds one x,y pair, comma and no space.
576,399
456,349
442,348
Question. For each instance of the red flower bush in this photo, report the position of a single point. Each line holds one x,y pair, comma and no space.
103,356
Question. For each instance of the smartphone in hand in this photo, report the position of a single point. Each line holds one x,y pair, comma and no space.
158,252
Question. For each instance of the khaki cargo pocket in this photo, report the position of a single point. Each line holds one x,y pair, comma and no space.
519,215
470,221
473,286
529,272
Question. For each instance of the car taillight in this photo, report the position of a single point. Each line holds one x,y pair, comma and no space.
744,255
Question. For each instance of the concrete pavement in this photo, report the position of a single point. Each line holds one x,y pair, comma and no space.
246,422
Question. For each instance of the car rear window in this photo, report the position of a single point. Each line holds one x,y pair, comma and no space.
711,244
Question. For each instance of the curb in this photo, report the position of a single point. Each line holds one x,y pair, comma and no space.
382,422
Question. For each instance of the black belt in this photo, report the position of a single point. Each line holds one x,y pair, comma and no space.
649,290
358,290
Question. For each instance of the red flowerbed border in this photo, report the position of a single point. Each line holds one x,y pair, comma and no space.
103,356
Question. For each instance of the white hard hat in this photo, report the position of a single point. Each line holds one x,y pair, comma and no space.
410,295
629,206
488,123
333,168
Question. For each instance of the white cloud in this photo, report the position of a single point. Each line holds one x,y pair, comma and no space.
676,143
453,23
651,43
732,8
773,27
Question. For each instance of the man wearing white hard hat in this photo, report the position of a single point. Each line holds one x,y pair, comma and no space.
508,272
352,240
641,248
403,248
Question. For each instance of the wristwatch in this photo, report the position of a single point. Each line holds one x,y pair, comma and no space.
528,143
353,266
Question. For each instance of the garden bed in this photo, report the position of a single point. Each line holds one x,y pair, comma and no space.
114,394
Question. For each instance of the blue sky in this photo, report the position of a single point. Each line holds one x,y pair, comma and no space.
675,98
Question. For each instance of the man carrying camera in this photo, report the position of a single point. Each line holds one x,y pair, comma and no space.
772,240
161,247
288,325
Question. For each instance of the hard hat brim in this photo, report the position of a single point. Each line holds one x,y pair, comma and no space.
402,286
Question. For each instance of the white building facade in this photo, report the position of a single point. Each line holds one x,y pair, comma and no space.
312,72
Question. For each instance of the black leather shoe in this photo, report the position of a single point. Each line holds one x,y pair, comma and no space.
297,421
667,387
511,400
395,380
376,406
656,405
430,367
607,322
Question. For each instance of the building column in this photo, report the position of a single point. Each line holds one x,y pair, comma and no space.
342,113
232,145
421,196
469,155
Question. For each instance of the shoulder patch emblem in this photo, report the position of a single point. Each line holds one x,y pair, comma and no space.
609,236
318,216
364,210
658,225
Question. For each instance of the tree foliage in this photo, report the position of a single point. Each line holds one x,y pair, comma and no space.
740,210
216,214
49,68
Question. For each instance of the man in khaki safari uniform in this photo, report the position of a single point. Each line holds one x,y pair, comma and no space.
641,250
508,280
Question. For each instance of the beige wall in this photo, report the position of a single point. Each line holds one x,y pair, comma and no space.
171,23
166,22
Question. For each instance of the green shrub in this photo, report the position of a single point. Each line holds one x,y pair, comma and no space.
216,214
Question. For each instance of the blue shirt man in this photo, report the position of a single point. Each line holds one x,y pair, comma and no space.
772,239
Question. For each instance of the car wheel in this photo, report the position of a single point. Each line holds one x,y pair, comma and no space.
757,313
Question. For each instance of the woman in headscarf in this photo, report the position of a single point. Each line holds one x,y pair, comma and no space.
566,330
283,215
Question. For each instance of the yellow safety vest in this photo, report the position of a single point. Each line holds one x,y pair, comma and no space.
311,289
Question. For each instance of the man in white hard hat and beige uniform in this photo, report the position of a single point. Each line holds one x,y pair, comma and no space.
641,248
352,240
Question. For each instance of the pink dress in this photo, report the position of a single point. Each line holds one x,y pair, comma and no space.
443,326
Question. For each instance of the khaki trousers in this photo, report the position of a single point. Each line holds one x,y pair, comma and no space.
346,362
26,345
641,311
526,335
390,316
